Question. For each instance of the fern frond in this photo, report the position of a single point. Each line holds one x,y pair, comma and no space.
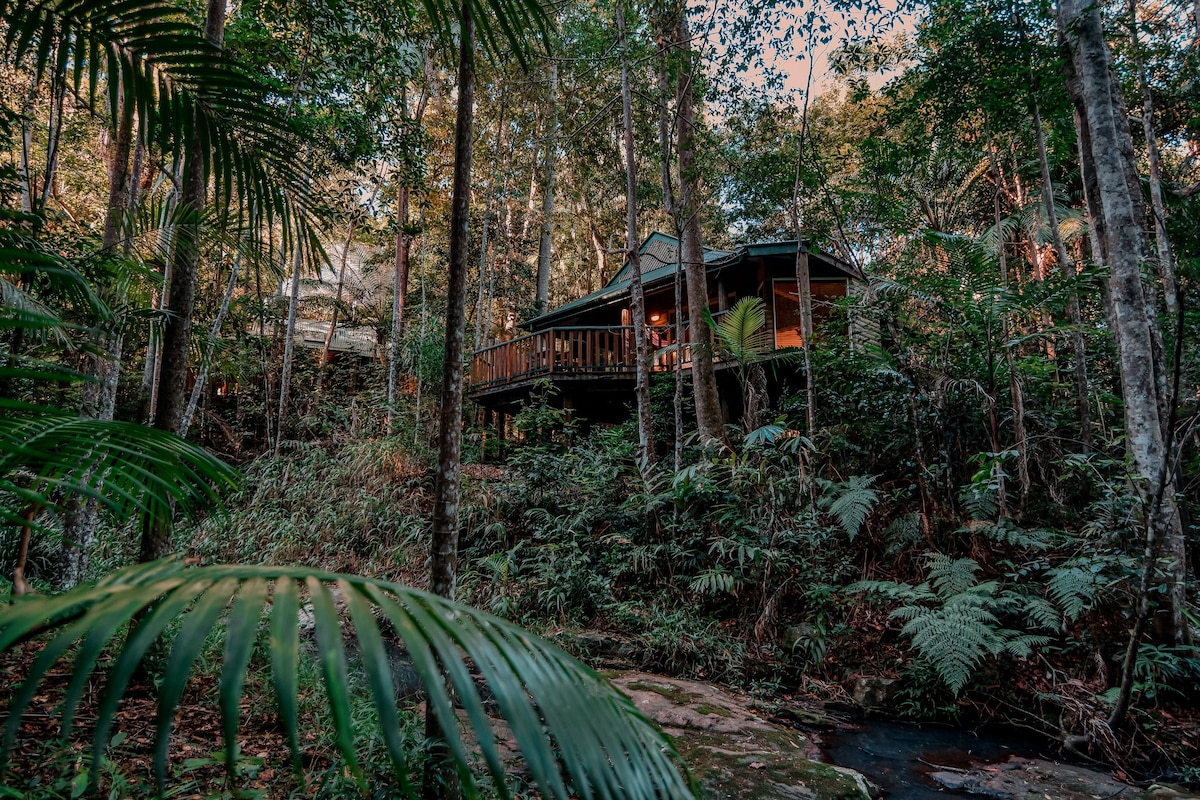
850,502
950,576
1072,589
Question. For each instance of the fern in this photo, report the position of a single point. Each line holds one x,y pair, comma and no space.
1007,531
950,576
953,620
954,638
903,533
1073,589
851,502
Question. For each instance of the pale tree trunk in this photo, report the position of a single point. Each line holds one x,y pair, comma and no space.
53,137
1016,396
439,780
1067,266
480,332
803,268
289,347
700,336
668,192
181,295
1166,260
214,331
103,364
637,299
1108,165
399,296
25,167
544,247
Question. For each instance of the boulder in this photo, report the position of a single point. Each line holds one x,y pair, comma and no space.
731,751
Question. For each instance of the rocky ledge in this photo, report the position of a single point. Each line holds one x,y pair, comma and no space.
731,751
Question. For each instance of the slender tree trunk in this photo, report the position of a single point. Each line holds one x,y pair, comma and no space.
1067,266
53,137
1166,260
98,400
668,192
480,332
443,549
700,337
25,167
289,348
399,296
1108,164
544,247
1016,397
181,295
636,295
214,332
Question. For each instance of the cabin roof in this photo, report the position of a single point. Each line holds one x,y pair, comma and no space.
659,253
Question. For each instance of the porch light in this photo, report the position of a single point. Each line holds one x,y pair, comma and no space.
656,317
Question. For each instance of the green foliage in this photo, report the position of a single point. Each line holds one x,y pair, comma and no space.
954,621
850,502
543,695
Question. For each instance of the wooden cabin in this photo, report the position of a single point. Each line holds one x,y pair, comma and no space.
586,350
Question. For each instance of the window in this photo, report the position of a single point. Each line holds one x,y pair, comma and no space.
787,307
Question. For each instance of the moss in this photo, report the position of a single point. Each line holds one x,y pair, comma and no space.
705,708
672,693
768,765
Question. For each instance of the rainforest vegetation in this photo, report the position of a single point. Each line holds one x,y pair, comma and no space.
247,250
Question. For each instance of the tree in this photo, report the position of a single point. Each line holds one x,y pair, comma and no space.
637,298
1117,213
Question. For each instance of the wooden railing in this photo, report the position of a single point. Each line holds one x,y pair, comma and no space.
568,350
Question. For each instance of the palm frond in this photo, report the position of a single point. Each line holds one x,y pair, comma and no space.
148,58
742,330
47,454
578,735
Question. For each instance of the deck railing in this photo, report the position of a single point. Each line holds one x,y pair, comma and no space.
569,350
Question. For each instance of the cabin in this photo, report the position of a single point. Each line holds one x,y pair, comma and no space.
585,348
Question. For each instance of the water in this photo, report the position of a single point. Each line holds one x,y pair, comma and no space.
898,757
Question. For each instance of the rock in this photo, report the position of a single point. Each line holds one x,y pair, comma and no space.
731,751
874,692
1034,779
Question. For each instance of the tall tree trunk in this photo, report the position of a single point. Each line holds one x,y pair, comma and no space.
1016,397
399,297
103,363
547,240
289,348
1067,266
181,295
53,138
662,35
700,336
637,298
803,269
480,331
1108,164
214,332
443,549
1166,260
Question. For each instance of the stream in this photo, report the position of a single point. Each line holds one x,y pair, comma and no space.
898,757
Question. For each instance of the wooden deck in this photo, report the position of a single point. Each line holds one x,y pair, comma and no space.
567,352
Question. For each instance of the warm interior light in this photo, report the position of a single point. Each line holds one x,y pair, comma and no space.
656,317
